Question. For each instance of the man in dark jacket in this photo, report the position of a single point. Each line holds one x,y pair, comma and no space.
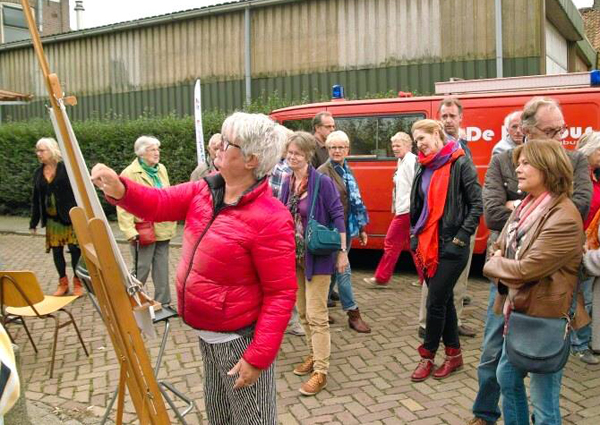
323,124
541,119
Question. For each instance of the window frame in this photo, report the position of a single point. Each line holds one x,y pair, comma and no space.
364,157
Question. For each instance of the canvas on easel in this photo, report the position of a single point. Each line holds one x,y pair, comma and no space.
124,307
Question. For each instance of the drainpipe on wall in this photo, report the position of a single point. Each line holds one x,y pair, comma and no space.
39,17
499,58
247,51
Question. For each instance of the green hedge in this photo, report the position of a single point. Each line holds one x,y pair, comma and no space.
109,142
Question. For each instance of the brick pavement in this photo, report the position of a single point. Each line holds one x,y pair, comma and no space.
369,377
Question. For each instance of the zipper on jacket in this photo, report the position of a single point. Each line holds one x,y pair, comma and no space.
216,212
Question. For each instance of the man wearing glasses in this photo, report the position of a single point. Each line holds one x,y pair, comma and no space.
323,124
541,119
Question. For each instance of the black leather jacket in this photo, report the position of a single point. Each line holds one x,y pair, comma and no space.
463,201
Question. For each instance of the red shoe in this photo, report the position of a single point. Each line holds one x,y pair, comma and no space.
425,366
77,287
63,287
453,361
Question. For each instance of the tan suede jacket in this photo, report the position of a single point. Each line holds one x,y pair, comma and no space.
542,281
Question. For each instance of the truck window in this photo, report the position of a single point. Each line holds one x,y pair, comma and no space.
369,136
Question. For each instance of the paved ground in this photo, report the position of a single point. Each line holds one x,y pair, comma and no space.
369,377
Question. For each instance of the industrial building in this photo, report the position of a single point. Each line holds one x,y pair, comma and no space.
300,48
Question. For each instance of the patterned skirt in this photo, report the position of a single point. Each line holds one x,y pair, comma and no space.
58,234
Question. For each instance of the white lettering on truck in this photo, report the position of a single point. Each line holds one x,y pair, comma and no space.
475,134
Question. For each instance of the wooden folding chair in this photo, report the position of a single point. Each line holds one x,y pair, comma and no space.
21,296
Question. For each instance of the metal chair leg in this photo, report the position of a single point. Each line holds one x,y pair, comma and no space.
170,403
56,327
77,331
161,351
28,335
111,403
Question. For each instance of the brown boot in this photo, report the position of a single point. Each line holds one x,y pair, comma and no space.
315,384
453,361
305,367
357,323
63,287
77,287
425,366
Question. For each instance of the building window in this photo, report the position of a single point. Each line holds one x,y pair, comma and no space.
14,25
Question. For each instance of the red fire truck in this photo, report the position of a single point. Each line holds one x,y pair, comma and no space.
371,123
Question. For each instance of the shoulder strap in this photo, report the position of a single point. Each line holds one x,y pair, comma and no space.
315,194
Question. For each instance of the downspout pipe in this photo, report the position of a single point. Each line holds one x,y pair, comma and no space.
499,58
247,56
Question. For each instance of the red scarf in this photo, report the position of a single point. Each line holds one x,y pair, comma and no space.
427,251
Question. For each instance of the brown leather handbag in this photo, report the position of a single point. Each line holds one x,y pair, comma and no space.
146,235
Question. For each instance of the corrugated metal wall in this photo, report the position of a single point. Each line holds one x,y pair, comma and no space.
298,48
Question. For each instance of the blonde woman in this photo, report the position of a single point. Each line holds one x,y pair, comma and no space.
51,202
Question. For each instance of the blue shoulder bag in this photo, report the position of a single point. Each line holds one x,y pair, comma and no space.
320,239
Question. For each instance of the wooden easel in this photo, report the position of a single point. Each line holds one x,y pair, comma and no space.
116,308
107,274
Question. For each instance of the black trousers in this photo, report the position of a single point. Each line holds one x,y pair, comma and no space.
442,321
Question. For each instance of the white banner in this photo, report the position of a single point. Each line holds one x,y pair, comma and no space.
198,122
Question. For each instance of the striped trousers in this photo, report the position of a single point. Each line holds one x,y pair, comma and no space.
255,405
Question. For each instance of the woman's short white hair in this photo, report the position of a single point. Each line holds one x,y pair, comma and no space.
589,143
144,142
52,145
337,135
257,135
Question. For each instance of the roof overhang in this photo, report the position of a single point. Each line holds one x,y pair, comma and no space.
566,18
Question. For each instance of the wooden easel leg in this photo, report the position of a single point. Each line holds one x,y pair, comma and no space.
121,399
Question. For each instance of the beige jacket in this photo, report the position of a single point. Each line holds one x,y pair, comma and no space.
542,281
164,231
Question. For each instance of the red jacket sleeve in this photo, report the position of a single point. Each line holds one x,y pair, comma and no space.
274,257
156,205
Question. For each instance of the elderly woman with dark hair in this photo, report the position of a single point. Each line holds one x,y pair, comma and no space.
236,281
313,271
535,264
51,202
147,170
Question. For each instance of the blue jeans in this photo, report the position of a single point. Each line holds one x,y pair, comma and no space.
344,282
544,389
580,339
486,402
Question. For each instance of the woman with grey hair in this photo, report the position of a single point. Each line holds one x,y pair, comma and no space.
236,281
148,253
51,202
583,341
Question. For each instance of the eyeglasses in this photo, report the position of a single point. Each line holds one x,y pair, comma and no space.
338,148
41,150
295,154
552,132
226,143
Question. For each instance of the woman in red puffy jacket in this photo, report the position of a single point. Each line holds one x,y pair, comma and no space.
236,281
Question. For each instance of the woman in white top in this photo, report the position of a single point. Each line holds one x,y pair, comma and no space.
398,234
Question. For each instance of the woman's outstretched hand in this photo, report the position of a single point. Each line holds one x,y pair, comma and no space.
107,180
